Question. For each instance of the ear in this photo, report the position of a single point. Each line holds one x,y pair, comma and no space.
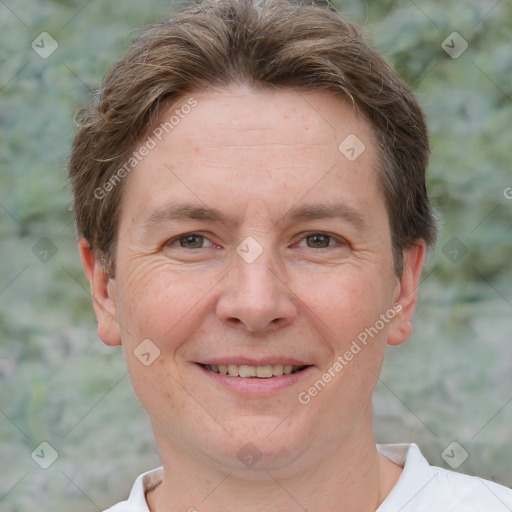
401,326
103,296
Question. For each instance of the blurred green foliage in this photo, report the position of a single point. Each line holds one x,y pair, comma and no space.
58,383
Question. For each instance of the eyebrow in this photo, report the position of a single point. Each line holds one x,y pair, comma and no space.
185,211
316,211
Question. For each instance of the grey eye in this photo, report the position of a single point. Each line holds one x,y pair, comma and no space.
318,240
191,241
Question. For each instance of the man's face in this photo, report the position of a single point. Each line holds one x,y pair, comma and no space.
247,237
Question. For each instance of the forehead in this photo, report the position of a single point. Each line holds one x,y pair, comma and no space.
245,118
274,146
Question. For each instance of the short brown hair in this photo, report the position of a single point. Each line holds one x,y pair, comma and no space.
274,44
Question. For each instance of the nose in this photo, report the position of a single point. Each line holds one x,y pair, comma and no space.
256,297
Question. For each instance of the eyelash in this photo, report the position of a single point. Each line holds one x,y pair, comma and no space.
337,239
176,239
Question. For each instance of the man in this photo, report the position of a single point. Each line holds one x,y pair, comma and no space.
250,196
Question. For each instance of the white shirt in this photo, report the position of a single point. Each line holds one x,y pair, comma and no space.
420,488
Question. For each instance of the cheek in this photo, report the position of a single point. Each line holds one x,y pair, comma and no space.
158,389
347,299
159,301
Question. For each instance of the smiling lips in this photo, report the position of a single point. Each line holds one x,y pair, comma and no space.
246,371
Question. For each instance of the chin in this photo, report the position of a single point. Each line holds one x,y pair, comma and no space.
261,444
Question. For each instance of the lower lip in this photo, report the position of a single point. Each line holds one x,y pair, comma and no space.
255,385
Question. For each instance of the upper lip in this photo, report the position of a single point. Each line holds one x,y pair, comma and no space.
250,361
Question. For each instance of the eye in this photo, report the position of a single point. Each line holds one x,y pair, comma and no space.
190,241
320,241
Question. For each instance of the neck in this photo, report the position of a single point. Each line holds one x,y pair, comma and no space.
354,477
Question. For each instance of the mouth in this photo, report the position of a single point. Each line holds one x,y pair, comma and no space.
254,372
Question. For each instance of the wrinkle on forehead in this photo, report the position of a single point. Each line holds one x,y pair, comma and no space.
273,156
265,145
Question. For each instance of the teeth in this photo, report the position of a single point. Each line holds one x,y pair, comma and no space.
277,370
245,371
264,372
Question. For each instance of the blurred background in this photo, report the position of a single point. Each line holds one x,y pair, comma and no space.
449,389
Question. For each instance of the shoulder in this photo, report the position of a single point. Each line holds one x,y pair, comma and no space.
470,493
136,502
123,506
426,488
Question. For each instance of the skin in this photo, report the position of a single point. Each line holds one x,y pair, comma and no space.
254,156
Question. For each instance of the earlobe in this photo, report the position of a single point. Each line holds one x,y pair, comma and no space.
401,327
103,296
